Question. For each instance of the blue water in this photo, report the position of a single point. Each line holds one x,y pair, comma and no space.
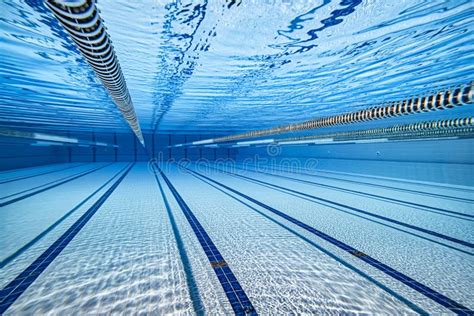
92,222
205,65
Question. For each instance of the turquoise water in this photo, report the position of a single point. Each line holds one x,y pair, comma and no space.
363,217
200,65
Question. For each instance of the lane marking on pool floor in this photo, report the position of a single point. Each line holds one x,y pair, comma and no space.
40,174
12,291
376,221
235,294
410,304
190,279
415,285
52,182
29,244
435,195
420,229
48,186
433,209
402,181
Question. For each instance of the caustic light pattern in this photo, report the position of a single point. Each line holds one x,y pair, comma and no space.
236,157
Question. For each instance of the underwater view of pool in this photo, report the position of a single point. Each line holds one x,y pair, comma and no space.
236,157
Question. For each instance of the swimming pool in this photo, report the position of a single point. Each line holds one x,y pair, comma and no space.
236,157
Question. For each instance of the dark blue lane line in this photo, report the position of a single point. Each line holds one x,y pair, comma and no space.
420,229
25,247
39,174
45,184
435,195
415,285
32,168
410,304
378,222
235,294
377,178
51,186
433,209
10,293
190,279
441,186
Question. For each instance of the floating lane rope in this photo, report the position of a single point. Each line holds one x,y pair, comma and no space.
437,128
459,96
82,21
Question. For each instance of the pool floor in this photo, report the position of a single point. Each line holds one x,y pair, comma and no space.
102,238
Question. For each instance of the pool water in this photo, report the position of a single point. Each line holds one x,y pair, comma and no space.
298,158
138,253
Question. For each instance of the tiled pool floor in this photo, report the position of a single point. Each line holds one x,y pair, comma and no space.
119,238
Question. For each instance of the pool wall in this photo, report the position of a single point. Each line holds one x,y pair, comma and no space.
22,153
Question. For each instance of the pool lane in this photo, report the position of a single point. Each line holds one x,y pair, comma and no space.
43,171
194,293
23,221
57,223
457,227
447,272
392,198
208,285
449,193
280,272
10,293
7,174
232,288
22,186
125,260
36,189
446,186
287,188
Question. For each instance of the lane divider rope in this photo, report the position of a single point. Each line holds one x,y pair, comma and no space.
82,21
446,99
